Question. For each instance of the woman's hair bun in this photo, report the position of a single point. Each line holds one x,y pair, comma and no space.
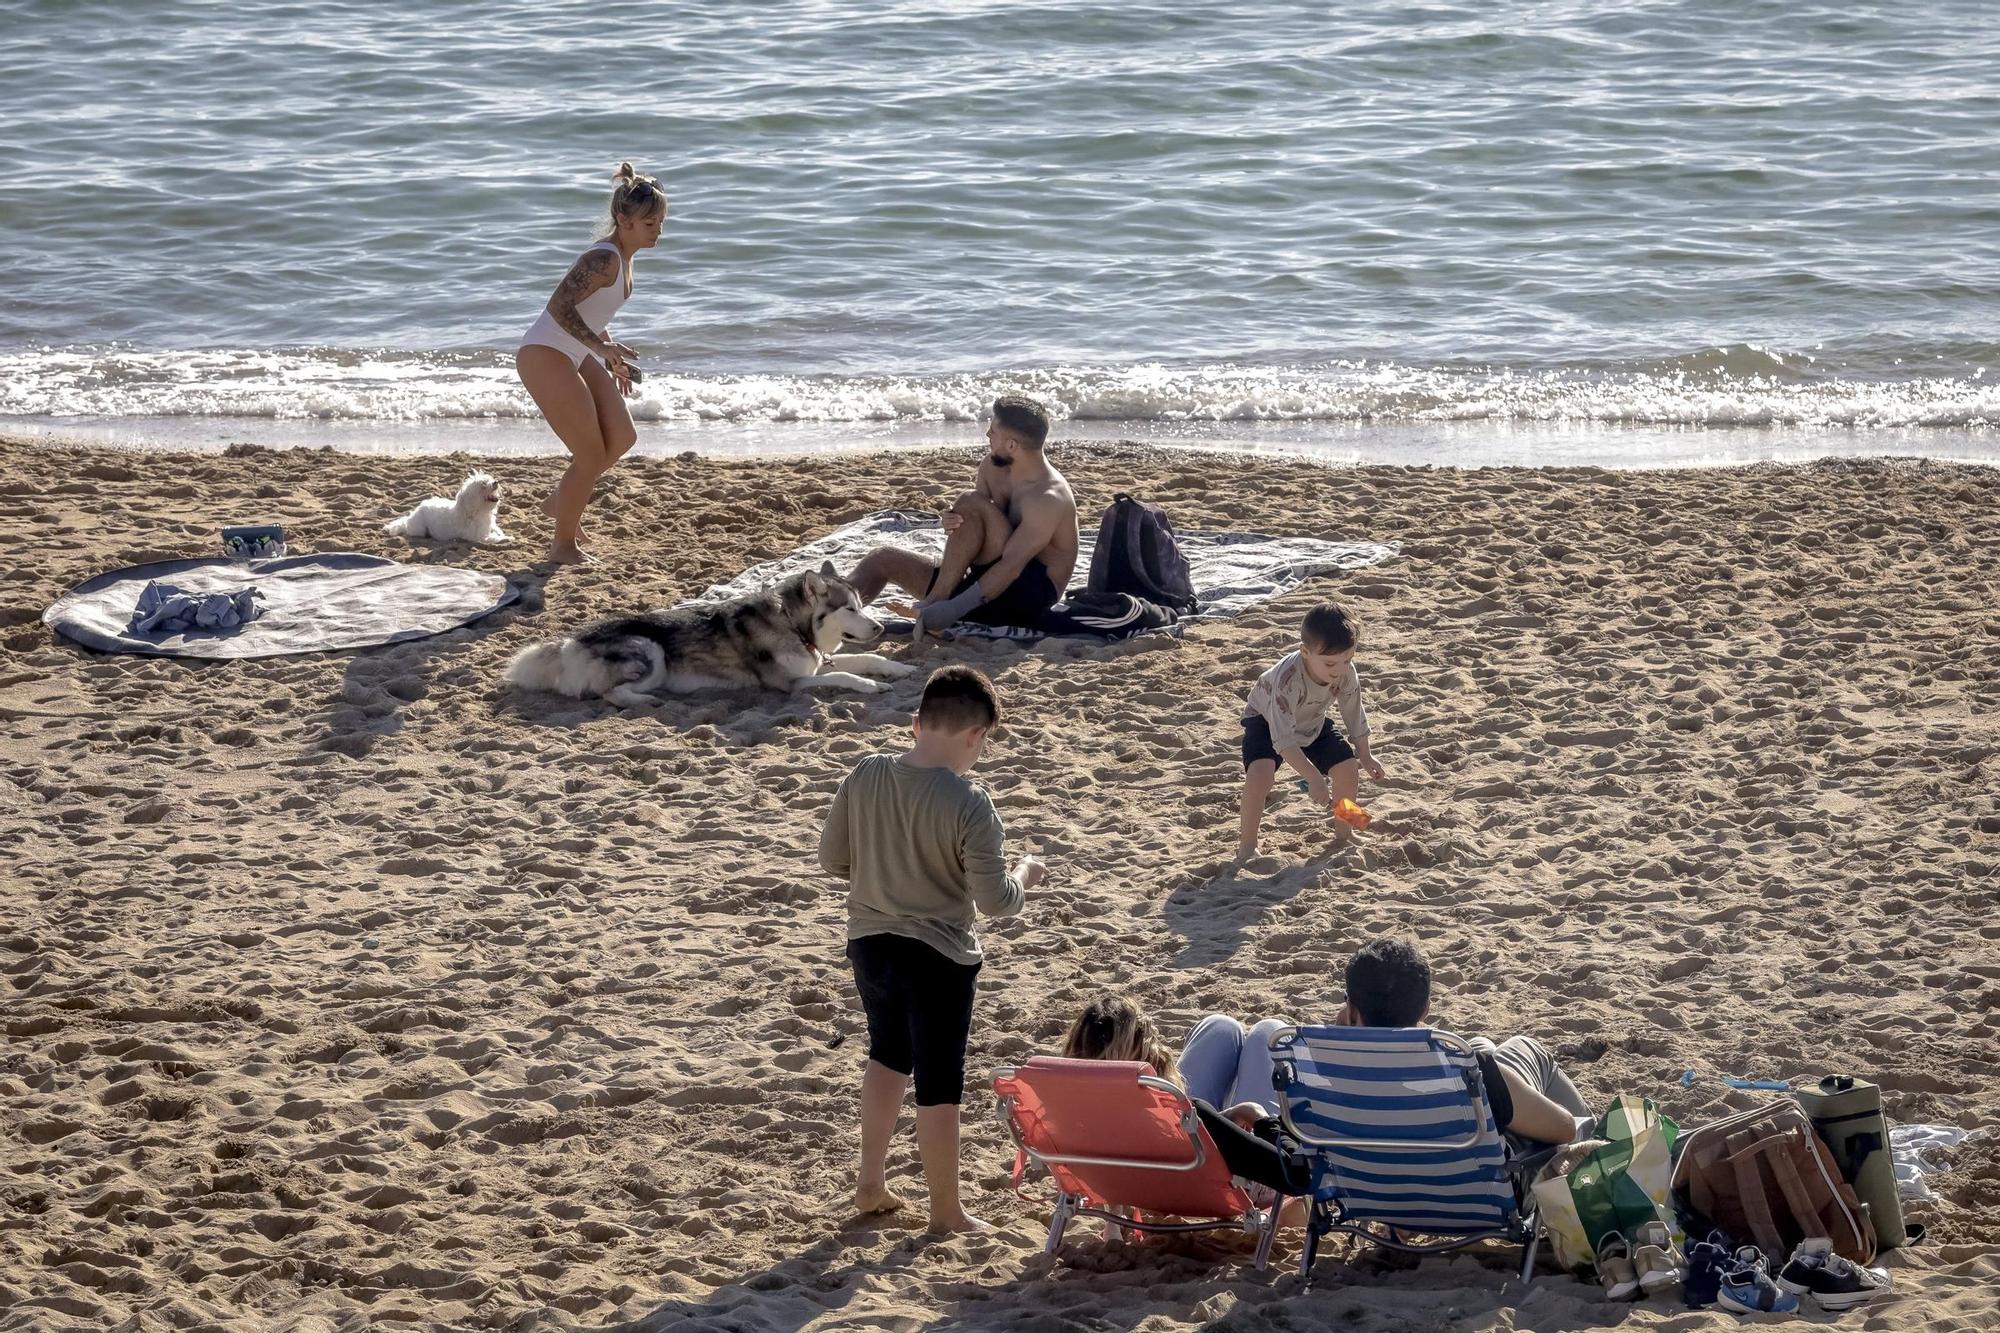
624,172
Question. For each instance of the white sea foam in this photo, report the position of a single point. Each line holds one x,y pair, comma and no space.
1704,389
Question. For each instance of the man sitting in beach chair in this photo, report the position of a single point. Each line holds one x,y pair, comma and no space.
1412,1131
1534,1103
1010,544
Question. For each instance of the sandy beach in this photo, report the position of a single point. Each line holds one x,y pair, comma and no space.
354,991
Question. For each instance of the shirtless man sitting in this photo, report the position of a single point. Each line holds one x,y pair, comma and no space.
1010,543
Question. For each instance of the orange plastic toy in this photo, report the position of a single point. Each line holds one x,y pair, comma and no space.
1347,812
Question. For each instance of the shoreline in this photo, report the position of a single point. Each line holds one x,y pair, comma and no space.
355,988
1467,444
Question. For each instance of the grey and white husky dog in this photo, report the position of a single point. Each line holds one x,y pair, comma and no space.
787,638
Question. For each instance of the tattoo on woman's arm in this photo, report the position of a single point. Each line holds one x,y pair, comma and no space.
593,271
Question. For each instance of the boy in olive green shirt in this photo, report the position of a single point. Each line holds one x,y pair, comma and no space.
923,852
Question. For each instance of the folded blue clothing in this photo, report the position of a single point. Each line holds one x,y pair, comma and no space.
165,609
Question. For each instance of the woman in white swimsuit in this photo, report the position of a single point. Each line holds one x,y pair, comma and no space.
573,369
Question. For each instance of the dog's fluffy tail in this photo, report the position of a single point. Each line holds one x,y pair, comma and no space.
538,668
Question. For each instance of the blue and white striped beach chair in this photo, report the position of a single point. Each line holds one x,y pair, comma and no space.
1401,1140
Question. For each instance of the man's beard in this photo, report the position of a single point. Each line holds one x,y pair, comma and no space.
999,460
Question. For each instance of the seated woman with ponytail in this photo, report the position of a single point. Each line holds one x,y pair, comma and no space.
1218,1071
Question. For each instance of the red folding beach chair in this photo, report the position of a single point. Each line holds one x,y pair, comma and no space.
1114,1135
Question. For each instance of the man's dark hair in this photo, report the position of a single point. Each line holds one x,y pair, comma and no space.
958,698
1389,984
1025,417
1328,629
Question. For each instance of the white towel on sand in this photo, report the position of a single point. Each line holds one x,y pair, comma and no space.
1233,571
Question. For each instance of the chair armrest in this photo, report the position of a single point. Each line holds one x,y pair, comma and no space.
1521,1173
1523,1170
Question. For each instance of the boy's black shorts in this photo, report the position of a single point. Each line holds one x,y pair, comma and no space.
919,1007
1327,749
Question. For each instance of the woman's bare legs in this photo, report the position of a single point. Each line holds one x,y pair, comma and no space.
570,405
614,425
614,419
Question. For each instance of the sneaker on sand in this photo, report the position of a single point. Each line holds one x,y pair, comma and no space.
1748,1289
1707,1260
1832,1283
1614,1267
1654,1255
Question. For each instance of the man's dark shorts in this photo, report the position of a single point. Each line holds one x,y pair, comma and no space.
1327,749
1022,604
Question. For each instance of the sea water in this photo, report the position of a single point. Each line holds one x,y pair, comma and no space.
1677,231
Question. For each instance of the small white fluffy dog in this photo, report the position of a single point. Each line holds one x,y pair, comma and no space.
472,517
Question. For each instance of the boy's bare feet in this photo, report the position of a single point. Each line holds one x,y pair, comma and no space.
1245,851
568,553
878,1200
959,1223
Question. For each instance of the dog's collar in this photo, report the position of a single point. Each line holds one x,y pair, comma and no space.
811,642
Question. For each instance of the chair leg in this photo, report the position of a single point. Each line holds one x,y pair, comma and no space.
1529,1251
1312,1245
1270,1232
1064,1207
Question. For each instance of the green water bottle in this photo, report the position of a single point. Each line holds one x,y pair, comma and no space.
1847,1113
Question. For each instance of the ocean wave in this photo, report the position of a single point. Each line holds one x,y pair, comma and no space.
1726,386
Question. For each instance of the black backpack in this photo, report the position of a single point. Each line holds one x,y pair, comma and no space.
1137,554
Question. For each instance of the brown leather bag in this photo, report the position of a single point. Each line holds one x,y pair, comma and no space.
1765,1176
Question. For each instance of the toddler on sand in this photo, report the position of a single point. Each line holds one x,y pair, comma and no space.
1285,720
922,851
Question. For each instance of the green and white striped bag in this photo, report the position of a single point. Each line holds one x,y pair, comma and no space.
1620,1185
